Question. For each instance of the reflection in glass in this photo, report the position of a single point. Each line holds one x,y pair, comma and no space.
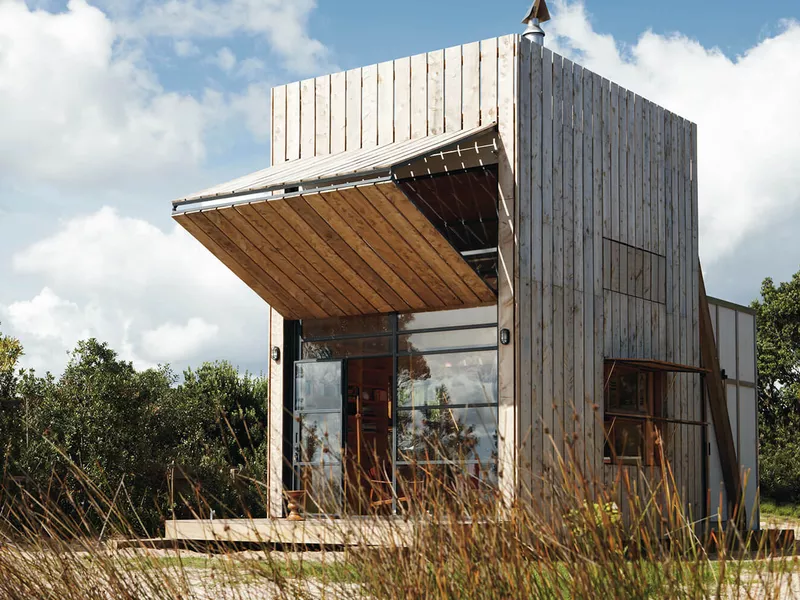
447,340
318,386
451,434
323,486
464,378
625,439
339,326
320,437
464,317
374,346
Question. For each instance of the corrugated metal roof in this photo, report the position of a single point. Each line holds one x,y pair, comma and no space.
355,163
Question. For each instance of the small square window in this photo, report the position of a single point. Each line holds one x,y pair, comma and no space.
627,438
632,411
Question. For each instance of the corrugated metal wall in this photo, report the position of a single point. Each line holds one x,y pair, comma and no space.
735,332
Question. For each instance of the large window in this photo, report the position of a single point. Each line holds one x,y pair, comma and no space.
633,415
444,386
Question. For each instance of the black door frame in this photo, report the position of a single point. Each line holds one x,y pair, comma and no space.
342,412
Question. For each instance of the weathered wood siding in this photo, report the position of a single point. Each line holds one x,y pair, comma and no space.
607,264
598,235
427,94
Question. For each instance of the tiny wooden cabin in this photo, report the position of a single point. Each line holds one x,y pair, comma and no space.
490,234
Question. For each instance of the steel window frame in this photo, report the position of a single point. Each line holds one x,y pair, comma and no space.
394,334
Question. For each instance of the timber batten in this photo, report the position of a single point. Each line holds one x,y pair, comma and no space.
392,260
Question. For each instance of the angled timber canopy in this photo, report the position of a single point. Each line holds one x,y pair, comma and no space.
360,232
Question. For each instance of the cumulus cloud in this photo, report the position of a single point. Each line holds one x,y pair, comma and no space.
155,296
749,127
47,316
51,326
79,105
83,111
254,106
186,48
251,67
74,110
284,24
169,340
225,59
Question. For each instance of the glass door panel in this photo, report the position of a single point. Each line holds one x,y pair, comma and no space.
319,386
318,406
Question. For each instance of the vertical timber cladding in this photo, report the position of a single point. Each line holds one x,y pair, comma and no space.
409,98
607,265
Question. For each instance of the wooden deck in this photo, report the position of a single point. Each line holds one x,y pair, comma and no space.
312,532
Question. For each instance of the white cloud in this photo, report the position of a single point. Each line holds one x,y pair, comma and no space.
154,296
186,48
251,67
51,326
47,316
284,24
746,111
76,111
253,105
169,341
225,59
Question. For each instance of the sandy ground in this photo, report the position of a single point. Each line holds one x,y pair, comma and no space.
190,575
237,575
243,576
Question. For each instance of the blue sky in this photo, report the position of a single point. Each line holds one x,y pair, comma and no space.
111,108
359,24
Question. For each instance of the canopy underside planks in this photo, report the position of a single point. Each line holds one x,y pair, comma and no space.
345,252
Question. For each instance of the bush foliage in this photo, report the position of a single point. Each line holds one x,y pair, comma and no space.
778,317
128,431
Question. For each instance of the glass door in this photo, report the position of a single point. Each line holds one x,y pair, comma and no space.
318,434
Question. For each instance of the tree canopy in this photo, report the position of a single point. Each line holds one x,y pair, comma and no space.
10,353
106,422
778,342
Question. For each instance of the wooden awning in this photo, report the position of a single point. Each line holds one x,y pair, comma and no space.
350,251
645,364
337,235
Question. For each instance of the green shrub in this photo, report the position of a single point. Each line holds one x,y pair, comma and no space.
780,466
126,431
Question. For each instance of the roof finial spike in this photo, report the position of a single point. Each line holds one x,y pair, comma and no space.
537,15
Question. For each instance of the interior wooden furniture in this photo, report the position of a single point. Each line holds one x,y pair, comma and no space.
369,430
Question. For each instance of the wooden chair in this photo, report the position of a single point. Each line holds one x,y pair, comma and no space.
381,490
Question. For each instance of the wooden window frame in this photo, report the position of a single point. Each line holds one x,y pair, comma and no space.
648,415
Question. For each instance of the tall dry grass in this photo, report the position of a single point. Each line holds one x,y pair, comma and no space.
451,538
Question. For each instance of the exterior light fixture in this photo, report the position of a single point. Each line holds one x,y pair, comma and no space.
505,337
276,353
